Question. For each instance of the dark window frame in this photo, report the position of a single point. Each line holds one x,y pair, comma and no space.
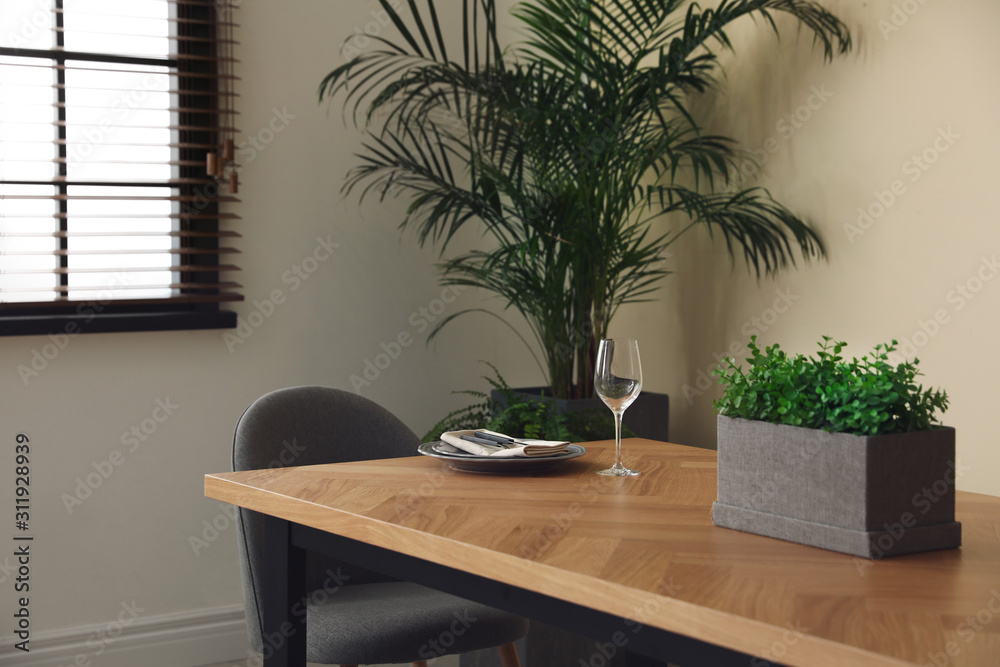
169,315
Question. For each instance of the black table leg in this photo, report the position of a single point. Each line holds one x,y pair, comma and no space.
284,611
637,660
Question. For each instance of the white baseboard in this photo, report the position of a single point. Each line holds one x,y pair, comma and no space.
186,639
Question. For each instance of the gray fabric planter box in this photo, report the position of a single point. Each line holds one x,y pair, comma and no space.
869,496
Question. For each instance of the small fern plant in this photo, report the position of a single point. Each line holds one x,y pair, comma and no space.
520,417
866,396
523,417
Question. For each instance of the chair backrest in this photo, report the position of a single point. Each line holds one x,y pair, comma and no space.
301,426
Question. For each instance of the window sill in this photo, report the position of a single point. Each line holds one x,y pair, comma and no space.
71,325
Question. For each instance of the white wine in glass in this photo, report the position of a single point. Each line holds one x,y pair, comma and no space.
618,381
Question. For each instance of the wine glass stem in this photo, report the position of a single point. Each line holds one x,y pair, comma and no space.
618,438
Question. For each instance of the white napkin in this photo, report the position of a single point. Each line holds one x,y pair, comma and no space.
522,448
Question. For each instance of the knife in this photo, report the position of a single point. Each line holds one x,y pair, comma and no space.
484,441
498,439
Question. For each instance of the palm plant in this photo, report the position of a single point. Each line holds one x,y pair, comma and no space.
564,147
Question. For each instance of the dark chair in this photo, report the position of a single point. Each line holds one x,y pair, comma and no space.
370,618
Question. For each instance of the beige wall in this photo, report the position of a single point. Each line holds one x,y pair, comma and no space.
130,538
920,86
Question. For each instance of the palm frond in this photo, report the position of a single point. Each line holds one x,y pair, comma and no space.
551,146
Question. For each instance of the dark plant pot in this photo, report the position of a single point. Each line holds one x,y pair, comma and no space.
647,417
868,496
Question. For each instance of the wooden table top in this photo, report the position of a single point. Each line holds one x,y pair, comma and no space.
645,549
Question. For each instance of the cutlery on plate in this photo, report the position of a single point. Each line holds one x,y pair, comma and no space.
485,441
497,439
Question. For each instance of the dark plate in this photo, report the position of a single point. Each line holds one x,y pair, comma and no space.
471,463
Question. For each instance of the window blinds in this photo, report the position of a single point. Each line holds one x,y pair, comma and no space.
109,113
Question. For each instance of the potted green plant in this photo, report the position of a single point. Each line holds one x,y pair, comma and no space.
506,410
840,454
562,148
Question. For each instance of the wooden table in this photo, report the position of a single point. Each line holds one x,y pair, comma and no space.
633,562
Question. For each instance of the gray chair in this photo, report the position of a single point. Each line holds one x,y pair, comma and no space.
370,619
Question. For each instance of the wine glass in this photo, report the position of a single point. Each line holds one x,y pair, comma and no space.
618,381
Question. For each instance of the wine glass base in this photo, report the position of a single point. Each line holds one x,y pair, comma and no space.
619,471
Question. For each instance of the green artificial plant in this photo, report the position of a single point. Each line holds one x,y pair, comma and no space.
866,396
520,416
562,148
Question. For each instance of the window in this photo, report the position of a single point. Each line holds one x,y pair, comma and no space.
112,113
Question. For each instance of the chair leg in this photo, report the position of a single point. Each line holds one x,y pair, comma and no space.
508,655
